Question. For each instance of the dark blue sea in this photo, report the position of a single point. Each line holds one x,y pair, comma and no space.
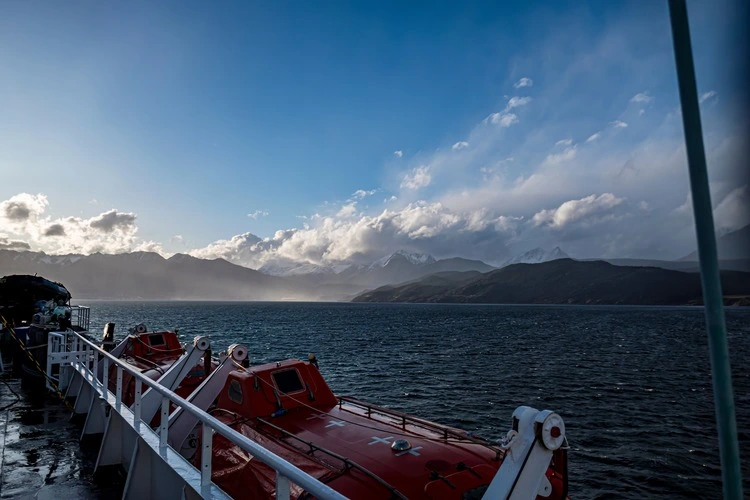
632,383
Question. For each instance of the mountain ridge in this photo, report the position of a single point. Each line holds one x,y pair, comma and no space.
565,281
536,256
150,276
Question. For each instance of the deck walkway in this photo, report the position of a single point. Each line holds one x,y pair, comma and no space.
40,453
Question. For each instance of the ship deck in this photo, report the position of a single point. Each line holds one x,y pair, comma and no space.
41,455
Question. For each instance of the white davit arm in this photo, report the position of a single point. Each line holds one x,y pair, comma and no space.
173,377
182,423
529,446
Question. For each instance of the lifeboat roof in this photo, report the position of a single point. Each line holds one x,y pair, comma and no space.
365,447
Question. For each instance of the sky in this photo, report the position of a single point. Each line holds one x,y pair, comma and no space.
338,132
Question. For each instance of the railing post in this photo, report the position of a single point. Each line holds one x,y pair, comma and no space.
164,424
137,404
286,473
118,391
206,445
105,378
283,488
50,351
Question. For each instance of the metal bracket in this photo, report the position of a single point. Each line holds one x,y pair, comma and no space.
529,445
151,400
181,424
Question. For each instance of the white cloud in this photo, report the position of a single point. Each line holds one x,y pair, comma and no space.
642,98
594,137
9,244
112,221
258,214
24,217
418,178
460,145
348,210
564,142
524,82
556,158
422,226
618,124
707,95
398,153
361,193
54,230
152,246
576,210
641,112
240,248
517,102
503,119
23,209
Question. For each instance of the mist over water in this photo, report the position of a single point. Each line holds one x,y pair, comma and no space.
632,383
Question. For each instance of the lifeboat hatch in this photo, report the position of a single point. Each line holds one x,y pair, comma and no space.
288,381
156,340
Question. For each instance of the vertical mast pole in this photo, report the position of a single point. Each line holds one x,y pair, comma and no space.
709,266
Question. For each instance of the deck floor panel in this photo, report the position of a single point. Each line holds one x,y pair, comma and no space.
40,452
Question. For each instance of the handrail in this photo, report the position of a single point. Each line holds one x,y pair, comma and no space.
284,469
416,422
81,315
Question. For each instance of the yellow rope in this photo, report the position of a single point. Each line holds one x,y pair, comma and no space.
36,364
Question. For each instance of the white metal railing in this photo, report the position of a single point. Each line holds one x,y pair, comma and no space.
85,354
80,316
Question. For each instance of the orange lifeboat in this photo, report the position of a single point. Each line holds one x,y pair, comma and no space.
153,353
361,450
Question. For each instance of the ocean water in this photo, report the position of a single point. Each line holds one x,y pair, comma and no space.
632,383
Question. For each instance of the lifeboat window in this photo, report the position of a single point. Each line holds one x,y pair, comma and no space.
288,381
156,340
235,392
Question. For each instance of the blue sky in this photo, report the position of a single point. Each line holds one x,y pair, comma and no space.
187,117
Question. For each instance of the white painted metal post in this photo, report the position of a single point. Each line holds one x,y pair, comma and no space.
50,350
207,444
283,488
137,404
118,391
164,424
123,432
105,377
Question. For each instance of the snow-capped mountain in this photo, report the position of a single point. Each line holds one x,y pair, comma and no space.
43,258
418,259
400,258
290,268
537,255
